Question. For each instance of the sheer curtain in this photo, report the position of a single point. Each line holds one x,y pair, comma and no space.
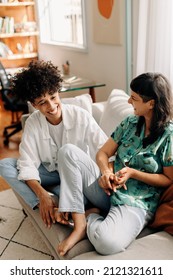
155,38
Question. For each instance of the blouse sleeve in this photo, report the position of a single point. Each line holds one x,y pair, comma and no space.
167,151
119,131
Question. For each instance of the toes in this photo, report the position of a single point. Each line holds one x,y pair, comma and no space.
61,251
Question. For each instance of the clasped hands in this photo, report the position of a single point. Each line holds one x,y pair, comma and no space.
110,181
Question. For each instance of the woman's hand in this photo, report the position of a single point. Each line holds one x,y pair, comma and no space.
61,217
46,208
108,182
122,176
46,203
112,181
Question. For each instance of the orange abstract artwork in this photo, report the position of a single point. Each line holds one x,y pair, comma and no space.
108,21
105,7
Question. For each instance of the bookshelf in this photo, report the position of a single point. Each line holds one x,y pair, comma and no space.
18,33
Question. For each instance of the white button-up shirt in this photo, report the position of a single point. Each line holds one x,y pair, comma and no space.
37,147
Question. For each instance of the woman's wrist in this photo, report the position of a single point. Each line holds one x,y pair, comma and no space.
132,172
106,171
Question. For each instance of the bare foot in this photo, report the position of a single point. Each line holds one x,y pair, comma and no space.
78,233
70,241
92,211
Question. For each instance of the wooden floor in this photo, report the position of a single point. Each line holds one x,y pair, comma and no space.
12,149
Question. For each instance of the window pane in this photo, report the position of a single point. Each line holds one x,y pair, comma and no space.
65,20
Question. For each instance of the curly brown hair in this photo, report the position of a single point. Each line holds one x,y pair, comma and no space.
36,80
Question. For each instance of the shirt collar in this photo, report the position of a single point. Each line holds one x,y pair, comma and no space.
66,118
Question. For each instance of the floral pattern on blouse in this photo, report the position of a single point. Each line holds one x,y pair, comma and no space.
151,159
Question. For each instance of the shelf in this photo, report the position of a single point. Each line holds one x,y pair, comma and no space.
17,4
20,34
19,56
23,44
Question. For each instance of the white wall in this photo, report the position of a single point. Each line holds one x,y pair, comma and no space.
105,63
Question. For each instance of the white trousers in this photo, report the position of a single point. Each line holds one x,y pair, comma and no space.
79,180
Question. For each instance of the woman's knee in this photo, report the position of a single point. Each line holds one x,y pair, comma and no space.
104,238
8,166
68,151
106,244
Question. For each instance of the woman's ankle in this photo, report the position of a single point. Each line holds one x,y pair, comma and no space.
93,210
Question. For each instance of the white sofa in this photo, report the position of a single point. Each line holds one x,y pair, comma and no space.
150,244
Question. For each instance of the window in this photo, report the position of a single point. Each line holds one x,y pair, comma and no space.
62,23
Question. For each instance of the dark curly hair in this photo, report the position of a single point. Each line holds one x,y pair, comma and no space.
36,80
154,86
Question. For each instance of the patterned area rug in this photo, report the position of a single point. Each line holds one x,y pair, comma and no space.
18,238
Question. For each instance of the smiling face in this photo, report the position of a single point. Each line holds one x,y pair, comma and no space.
141,108
50,107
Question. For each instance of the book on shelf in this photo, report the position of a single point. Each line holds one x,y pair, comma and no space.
4,1
7,1
1,21
7,25
4,50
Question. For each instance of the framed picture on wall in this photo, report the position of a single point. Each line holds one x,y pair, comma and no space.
108,21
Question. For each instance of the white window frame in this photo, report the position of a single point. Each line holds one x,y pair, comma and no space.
45,30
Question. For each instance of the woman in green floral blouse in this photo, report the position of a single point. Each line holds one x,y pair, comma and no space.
143,167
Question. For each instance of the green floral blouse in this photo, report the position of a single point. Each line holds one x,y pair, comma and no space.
151,159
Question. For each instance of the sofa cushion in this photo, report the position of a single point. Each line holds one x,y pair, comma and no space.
84,101
52,237
116,109
157,246
164,214
98,109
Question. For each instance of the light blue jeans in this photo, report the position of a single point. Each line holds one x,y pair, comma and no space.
49,180
79,178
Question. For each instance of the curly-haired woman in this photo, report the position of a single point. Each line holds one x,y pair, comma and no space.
52,125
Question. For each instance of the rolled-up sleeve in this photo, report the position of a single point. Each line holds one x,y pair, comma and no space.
29,160
167,151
